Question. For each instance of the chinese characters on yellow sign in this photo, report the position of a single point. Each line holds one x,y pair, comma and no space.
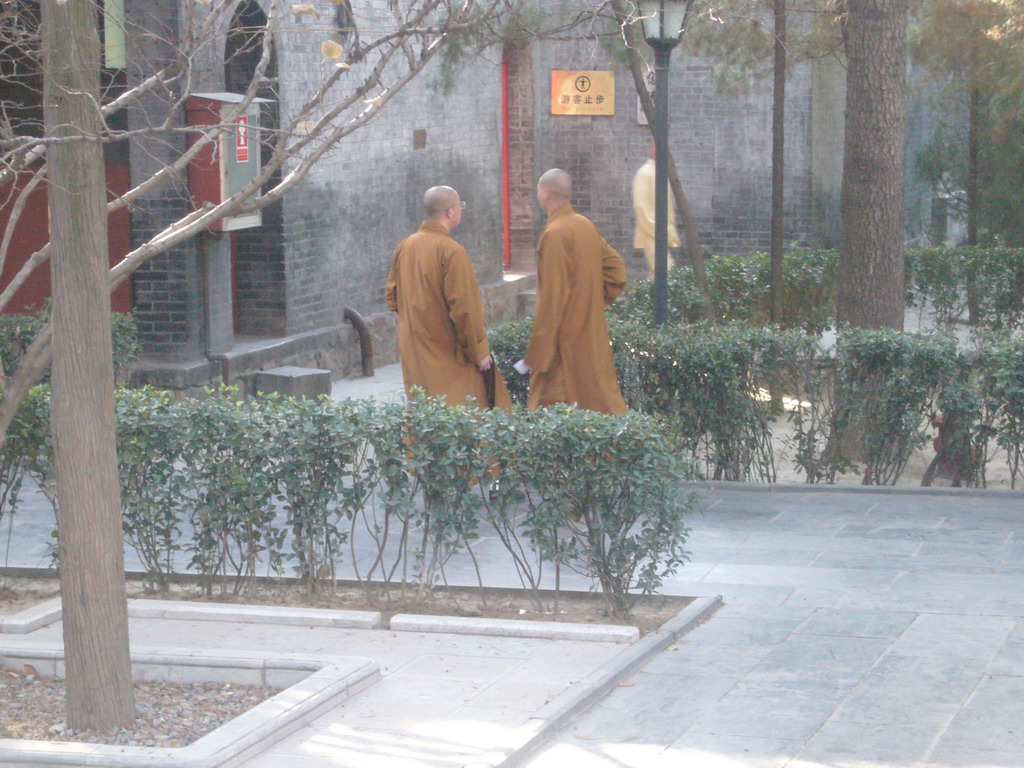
574,92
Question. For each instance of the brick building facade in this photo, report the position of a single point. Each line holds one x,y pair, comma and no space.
225,306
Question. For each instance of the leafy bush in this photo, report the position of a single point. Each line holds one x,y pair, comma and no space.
739,289
228,486
320,460
26,452
886,384
229,445
508,344
18,330
614,511
983,285
999,366
447,453
152,435
710,385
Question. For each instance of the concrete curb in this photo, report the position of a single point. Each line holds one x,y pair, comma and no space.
49,612
457,625
561,710
31,619
253,614
313,687
733,485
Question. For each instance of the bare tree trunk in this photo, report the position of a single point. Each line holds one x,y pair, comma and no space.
693,248
973,130
98,665
871,287
776,296
973,138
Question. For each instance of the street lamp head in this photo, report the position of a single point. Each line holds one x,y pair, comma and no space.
664,21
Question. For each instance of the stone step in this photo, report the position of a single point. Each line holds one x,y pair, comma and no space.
526,302
293,381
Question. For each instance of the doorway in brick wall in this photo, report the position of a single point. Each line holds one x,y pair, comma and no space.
257,253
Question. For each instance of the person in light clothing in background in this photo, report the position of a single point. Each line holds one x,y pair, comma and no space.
643,210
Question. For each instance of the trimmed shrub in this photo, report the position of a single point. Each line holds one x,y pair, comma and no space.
508,343
18,330
710,385
230,487
26,451
605,497
981,285
739,289
999,367
228,450
886,385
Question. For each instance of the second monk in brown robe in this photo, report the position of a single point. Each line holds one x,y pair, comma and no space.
442,342
578,274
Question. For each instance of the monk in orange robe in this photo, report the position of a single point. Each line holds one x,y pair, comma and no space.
578,274
442,342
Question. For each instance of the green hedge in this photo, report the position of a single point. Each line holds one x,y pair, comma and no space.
983,286
866,404
18,330
237,487
739,287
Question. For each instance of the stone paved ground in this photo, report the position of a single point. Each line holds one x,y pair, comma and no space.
858,629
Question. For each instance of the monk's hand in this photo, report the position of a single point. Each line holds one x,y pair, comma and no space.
485,364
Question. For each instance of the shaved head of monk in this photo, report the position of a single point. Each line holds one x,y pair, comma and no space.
554,189
557,182
437,200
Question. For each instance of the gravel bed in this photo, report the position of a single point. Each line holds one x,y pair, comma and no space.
167,714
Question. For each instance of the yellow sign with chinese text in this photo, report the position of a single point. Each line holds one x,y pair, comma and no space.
576,92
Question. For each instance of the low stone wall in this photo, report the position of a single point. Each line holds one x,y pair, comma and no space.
336,349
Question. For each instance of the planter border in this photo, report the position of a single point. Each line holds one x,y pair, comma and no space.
323,687
311,687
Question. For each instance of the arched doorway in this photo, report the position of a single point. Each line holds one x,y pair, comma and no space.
257,252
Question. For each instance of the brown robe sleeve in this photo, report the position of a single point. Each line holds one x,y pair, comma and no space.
552,298
462,293
391,287
614,269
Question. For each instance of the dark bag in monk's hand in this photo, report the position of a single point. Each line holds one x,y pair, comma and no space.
494,385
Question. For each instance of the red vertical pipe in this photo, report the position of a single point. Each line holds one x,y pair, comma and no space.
506,162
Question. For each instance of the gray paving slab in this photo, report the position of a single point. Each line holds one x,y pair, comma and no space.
723,751
803,664
992,717
790,715
659,705
964,757
386,384
856,744
951,636
838,622
725,631
911,690
904,650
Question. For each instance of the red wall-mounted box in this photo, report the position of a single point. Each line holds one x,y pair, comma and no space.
226,166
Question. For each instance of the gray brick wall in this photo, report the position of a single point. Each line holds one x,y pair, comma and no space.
168,288
365,196
721,142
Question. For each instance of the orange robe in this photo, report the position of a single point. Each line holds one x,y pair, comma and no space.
578,274
441,335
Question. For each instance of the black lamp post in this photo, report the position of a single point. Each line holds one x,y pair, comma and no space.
664,22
